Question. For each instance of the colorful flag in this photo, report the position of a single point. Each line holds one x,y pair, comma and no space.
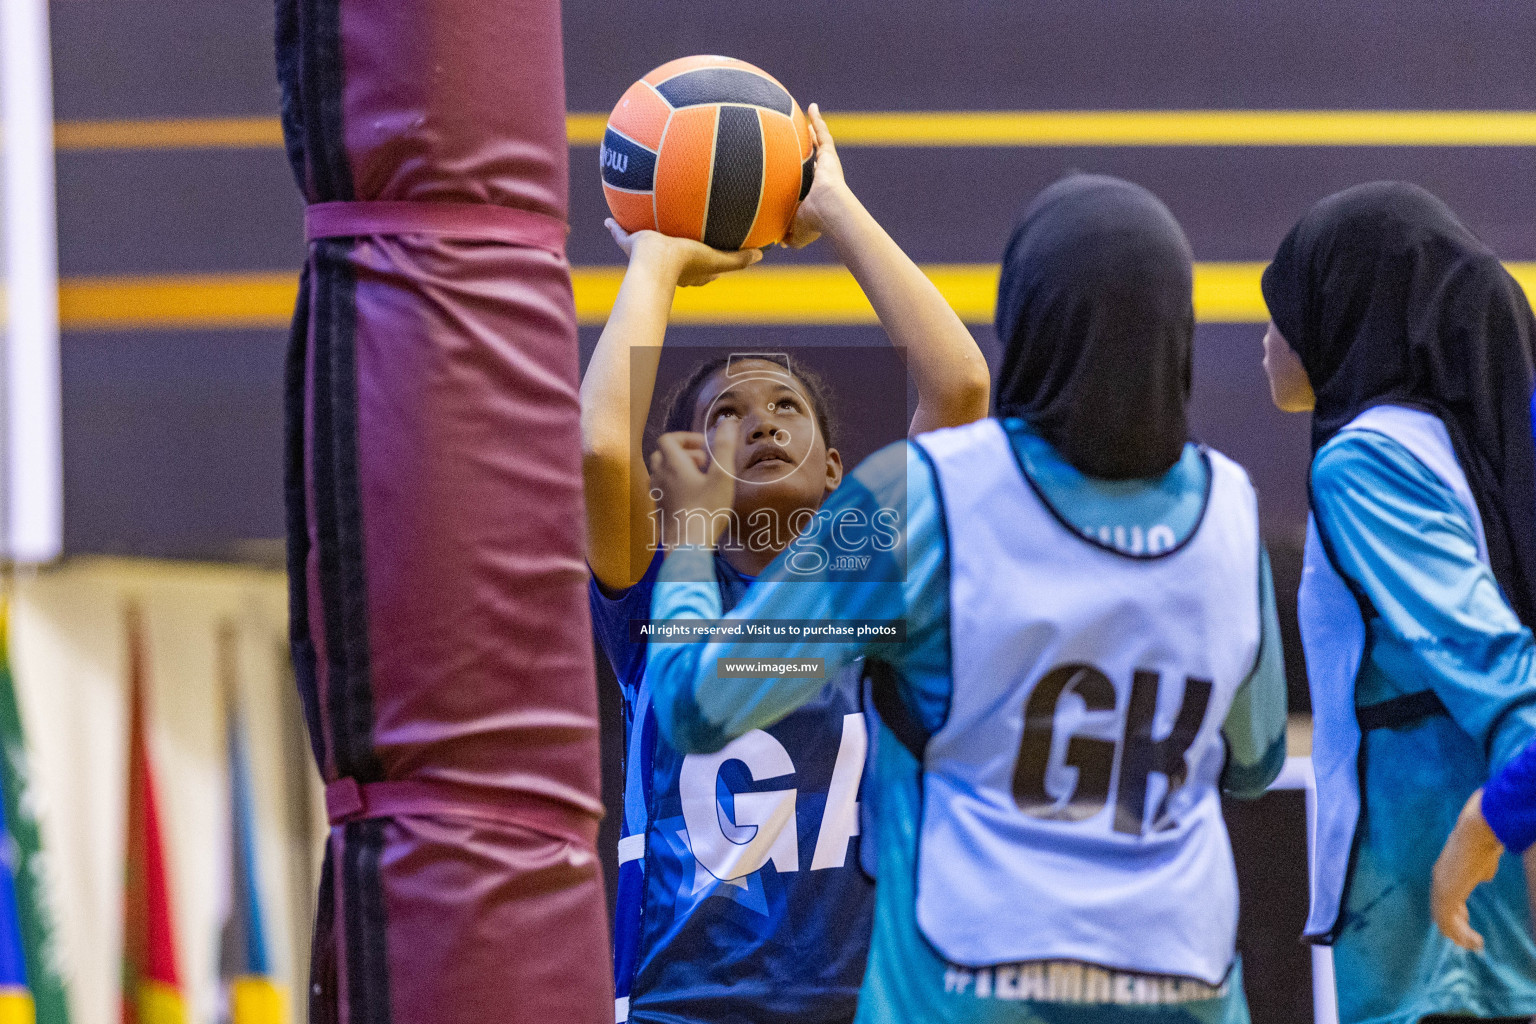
26,894
252,994
151,982
15,997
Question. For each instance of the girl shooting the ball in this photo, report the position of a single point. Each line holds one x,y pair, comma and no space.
740,896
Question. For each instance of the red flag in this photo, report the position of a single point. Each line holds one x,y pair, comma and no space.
151,983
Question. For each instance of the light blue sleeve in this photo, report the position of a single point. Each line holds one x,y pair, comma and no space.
906,578
1400,534
1255,725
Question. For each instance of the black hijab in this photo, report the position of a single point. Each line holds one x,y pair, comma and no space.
1095,312
1387,298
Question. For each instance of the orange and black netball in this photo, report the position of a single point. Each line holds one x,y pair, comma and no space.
708,148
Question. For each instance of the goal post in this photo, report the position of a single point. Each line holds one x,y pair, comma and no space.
1298,775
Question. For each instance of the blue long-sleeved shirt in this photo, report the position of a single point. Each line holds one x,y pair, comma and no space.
1439,623
696,711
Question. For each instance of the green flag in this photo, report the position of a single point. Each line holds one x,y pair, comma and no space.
32,893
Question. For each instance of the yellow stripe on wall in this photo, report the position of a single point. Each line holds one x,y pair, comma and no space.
1229,293
1186,128
178,302
822,295
806,295
585,129
1525,274
952,128
170,133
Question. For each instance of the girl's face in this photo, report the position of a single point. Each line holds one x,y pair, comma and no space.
1288,383
782,459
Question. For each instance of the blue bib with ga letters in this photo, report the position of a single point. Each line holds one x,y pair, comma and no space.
740,894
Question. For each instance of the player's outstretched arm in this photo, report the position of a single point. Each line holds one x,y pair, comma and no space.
953,385
697,709
616,395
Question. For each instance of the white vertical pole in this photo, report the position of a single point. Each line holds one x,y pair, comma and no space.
1298,774
32,492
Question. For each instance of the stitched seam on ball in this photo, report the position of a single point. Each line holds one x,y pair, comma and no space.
762,174
714,158
671,113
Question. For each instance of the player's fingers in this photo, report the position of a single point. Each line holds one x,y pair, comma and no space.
800,236
1458,928
709,264
1457,871
819,129
624,239
692,442
740,260
675,456
696,446
681,440
723,446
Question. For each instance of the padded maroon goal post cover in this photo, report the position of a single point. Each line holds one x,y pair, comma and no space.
439,618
